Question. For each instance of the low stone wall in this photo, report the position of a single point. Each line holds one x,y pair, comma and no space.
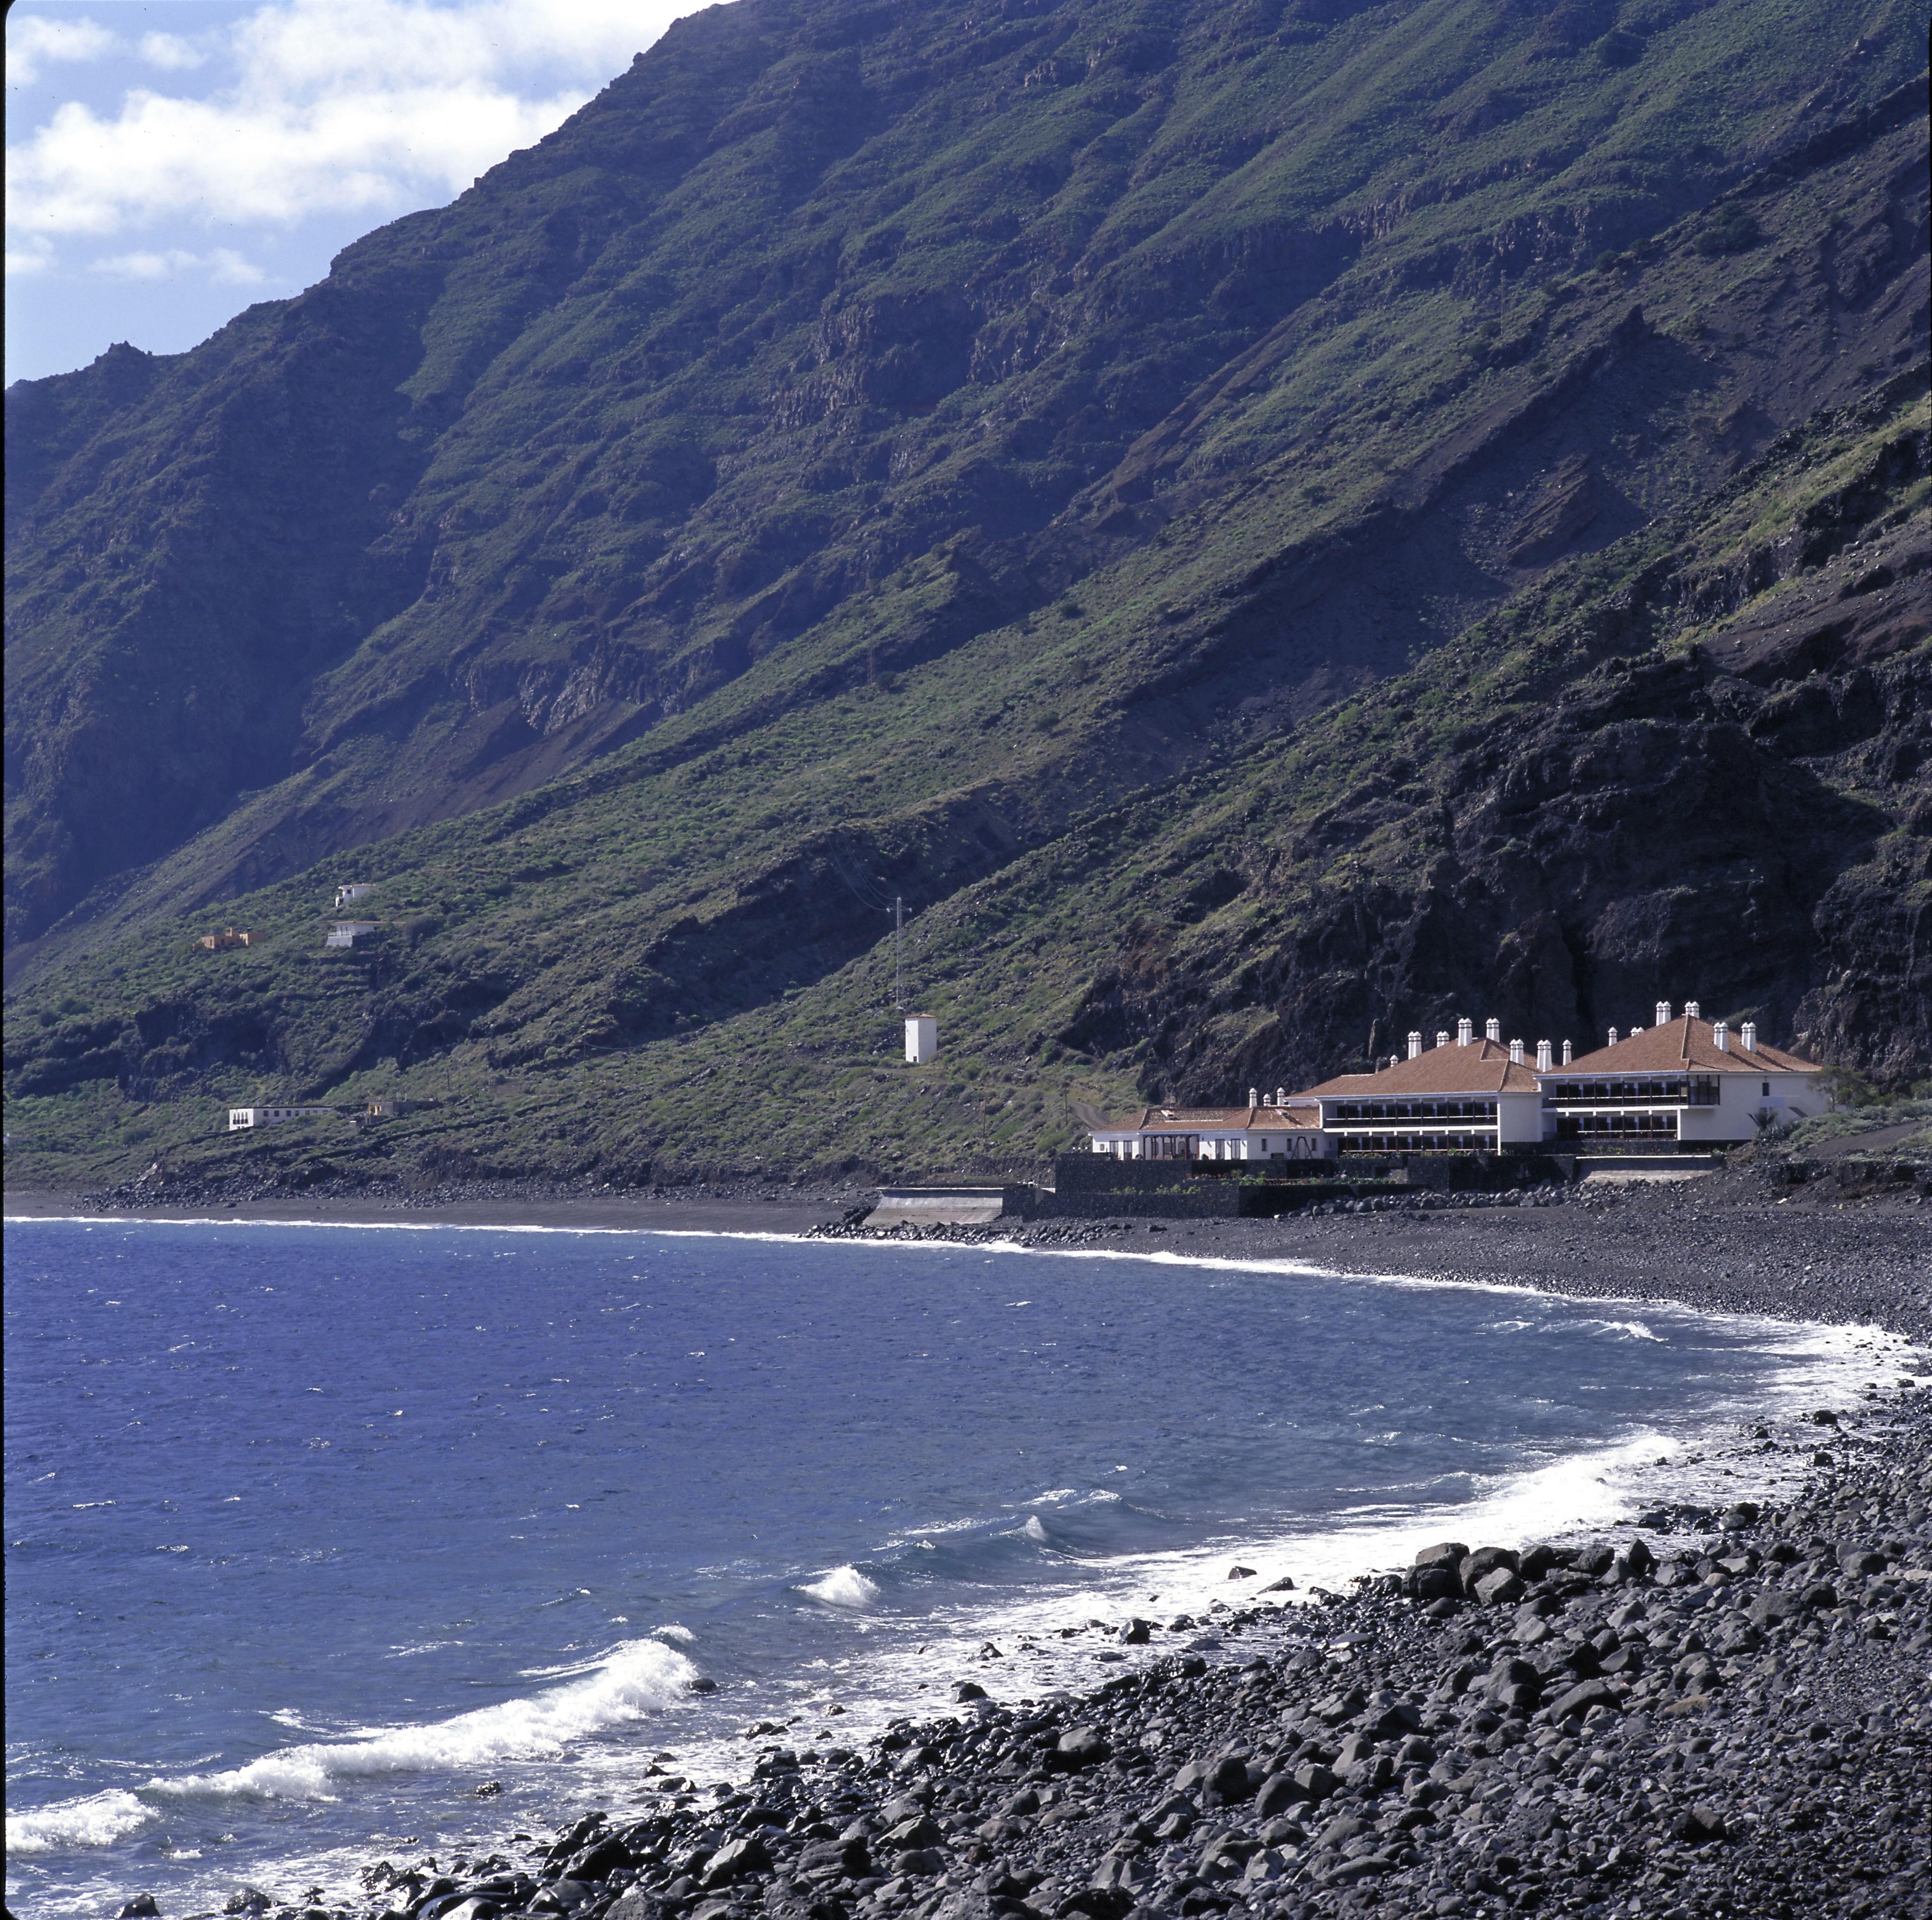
1194,1199
962,1203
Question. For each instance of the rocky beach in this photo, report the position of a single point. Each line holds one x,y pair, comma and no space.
1711,1712
1713,1709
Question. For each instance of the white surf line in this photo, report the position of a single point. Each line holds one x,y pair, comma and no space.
404,1226
1302,1269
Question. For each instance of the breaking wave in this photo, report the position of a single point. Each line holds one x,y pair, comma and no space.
632,1679
98,1820
844,1587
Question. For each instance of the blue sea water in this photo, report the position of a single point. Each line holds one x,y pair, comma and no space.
309,1530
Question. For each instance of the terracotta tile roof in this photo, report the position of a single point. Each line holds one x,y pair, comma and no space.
1185,1120
1685,1044
1483,1066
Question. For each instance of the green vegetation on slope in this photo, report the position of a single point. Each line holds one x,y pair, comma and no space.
1164,491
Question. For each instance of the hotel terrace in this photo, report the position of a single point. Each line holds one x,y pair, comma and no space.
1684,1082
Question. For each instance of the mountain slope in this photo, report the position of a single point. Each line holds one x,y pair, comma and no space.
814,288
1326,596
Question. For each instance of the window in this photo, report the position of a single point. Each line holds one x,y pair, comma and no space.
1767,1090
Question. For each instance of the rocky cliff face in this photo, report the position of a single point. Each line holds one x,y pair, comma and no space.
1733,806
814,288
1266,527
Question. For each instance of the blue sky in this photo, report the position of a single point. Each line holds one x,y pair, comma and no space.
170,162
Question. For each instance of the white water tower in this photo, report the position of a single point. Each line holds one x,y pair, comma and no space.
922,1039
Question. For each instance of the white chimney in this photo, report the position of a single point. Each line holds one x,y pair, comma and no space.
1254,1098
1690,1012
1281,1096
1516,1052
1721,1034
1414,1045
1635,1031
1492,1030
1442,1037
1566,1053
1663,1012
1749,1032
1613,1036
1542,1056
1465,1032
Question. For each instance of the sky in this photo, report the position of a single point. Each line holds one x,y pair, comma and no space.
171,162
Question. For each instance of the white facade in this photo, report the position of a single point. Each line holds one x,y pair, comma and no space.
922,1039
1686,1079
239,1117
1255,1133
347,932
352,891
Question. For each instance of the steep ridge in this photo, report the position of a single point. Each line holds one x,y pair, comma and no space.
1697,763
1490,616
663,410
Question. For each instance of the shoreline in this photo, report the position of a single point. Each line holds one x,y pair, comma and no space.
1723,1243
1698,1714
1721,1713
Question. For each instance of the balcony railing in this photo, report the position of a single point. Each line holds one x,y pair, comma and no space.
1427,1112
1676,1090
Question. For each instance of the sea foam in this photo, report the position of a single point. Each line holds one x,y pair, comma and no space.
98,1820
633,1678
844,1587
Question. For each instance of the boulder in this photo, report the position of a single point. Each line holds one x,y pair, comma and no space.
247,1899
1135,1633
1121,1873
738,1859
1579,1699
1697,1824
1498,1587
1080,1747
635,1905
1449,1553
909,1836
1863,1561
1278,1792
1316,1781
1774,1606
1270,1863
141,1907
1483,1560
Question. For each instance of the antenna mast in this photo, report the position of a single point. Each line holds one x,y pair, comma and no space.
898,948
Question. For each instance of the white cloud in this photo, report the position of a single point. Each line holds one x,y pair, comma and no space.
223,266
35,41
172,52
371,105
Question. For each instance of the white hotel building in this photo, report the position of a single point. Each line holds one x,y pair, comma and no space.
1683,1081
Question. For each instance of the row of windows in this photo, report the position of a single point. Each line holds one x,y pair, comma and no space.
1687,1090
1420,1143
1416,1110
1616,1126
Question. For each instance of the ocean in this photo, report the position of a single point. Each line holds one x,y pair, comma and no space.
312,1531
